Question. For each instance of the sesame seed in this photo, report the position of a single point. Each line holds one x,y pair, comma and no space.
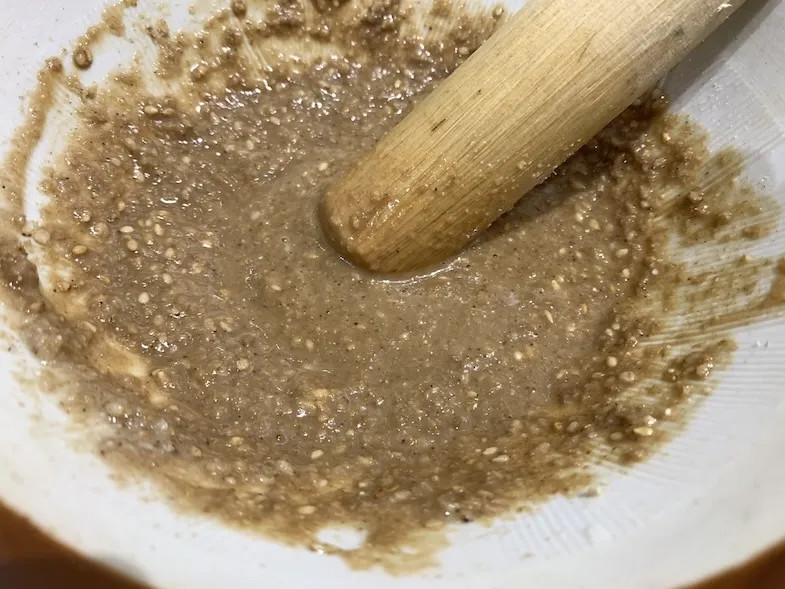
518,355
161,377
126,229
285,467
114,409
611,361
79,250
144,298
627,376
239,7
243,364
549,316
323,166
402,495
82,58
41,236
702,371
490,451
316,454
501,459
307,510
132,245
644,431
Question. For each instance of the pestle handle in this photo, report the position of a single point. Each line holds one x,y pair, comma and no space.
545,83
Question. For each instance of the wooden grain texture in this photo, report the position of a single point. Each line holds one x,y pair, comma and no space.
542,86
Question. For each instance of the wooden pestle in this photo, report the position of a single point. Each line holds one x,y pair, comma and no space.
544,84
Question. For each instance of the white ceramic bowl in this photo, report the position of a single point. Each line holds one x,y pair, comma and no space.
711,499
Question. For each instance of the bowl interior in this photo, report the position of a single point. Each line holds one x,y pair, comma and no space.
709,499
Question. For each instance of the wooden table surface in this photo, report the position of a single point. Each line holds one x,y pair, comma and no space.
30,560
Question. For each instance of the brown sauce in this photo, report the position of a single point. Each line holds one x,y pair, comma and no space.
179,277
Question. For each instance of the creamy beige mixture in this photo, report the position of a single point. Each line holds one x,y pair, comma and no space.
260,377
